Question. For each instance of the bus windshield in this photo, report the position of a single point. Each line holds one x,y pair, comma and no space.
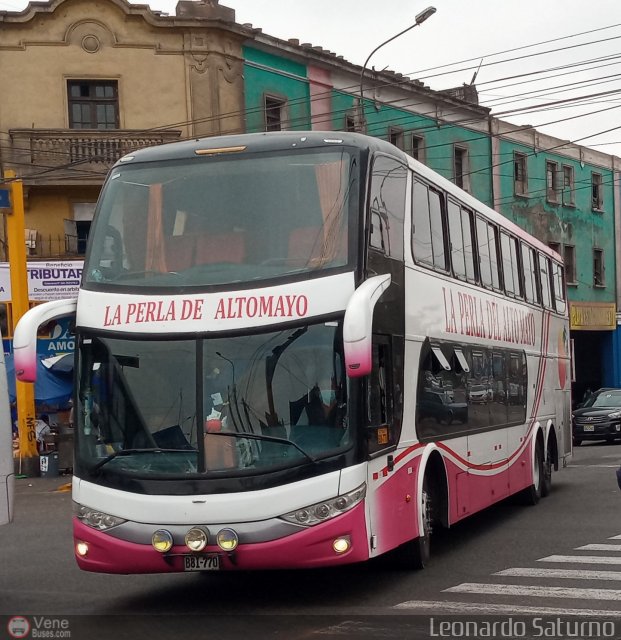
230,405
212,220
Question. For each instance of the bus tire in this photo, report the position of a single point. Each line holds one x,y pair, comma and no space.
548,464
532,494
415,554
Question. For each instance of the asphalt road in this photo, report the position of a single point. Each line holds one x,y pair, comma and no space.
552,561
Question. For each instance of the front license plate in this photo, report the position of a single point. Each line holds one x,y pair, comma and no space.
208,562
589,427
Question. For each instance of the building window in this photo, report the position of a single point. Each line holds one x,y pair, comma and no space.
395,136
274,113
597,201
93,104
598,268
417,148
555,246
568,185
551,181
350,123
460,167
520,176
78,228
569,258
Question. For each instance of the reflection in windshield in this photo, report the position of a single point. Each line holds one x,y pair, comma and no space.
220,220
258,402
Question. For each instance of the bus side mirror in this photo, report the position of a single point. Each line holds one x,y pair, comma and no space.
358,325
25,336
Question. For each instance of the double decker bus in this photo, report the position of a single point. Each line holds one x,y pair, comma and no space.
302,349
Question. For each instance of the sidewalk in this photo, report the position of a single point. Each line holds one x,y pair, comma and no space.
47,484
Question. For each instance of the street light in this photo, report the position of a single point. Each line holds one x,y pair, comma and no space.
419,19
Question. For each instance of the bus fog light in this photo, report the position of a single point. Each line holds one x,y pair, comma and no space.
342,544
81,548
227,539
196,539
162,540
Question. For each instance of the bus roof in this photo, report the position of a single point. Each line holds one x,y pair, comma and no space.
259,142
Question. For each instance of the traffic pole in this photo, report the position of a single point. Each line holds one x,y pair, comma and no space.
26,418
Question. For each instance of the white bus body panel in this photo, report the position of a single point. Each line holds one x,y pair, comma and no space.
231,508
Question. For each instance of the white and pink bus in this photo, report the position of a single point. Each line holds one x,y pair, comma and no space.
301,350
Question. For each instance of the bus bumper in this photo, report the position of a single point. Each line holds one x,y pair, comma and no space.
310,547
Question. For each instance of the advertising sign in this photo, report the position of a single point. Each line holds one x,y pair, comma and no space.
52,280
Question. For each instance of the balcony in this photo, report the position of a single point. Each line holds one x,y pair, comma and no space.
75,156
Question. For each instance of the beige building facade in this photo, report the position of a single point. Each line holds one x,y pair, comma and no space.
87,81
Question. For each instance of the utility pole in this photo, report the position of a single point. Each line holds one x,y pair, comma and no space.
26,418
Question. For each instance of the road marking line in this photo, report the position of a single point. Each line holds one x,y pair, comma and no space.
615,537
591,466
600,547
572,574
536,591
475,607
583,559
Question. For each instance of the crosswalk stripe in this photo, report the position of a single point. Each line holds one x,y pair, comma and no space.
539,592
583,559
572,574
476,607
599,547
615,537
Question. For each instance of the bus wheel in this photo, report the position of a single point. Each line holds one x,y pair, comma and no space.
532,494
415,553
546,481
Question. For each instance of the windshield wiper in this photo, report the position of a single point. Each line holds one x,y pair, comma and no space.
255,436
131,452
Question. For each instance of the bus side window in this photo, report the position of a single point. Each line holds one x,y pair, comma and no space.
531,281
558,281
544,272
388,189
487,239
428,227
382,431
510,266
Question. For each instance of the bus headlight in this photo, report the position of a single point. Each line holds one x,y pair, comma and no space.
162,540
196,539
322,511
227,539
96,519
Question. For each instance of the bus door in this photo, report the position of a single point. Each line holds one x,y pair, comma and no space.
391,520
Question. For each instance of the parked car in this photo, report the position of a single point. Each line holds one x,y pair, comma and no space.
599,417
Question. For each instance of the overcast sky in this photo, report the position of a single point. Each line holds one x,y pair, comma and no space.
561,49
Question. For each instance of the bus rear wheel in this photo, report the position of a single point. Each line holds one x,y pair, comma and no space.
532,494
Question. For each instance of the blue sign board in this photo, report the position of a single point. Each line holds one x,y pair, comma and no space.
5,199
